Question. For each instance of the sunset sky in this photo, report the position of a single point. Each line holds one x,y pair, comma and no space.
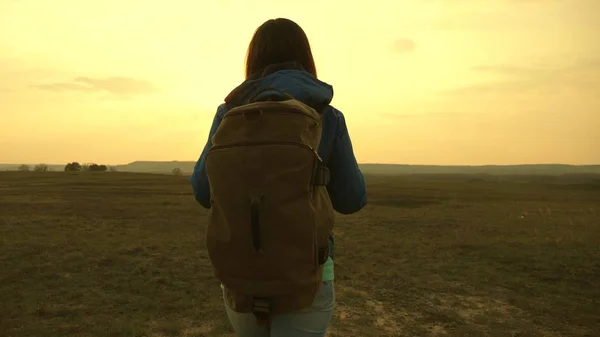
419,81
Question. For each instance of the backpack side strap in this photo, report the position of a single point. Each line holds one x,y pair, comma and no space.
322,176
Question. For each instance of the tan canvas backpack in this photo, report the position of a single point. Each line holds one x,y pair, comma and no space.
270,216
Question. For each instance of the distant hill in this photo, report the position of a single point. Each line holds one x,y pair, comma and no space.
542,169
533,169
157,166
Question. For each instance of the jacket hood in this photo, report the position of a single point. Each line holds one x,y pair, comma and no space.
288,77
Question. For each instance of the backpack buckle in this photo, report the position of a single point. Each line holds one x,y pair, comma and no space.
261,308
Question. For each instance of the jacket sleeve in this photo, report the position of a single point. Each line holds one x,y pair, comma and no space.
199,179
347,185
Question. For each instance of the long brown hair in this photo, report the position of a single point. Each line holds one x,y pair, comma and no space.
278,41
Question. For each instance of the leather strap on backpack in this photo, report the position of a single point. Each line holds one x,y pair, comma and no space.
255,221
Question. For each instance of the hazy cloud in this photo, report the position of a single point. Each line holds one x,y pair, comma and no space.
112,85
534,1
472,20
583,75
518,2
403,45
585,65
509,70
422,115
513,15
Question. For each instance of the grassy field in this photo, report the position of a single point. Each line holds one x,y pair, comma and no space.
122,254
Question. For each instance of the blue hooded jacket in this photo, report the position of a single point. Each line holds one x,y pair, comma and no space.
346,188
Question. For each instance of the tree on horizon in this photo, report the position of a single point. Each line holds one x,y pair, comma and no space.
73,167
41,168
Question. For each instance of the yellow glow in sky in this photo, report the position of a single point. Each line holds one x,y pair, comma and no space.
420,81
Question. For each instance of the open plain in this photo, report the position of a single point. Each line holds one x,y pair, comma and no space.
122,254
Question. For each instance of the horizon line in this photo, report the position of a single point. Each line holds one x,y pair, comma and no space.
366,163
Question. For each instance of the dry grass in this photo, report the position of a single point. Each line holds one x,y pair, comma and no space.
122,255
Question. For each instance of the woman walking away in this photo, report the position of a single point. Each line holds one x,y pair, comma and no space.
277,164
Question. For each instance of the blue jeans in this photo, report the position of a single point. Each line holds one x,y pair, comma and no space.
313,323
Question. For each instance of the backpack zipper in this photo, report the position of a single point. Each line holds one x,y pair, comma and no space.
276,109
258,143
